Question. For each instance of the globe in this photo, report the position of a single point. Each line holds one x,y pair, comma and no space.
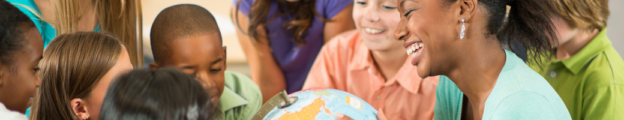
323,104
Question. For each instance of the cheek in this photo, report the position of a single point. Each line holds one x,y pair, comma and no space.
358,14
97,97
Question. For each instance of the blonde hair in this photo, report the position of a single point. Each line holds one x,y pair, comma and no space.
584,14
120,18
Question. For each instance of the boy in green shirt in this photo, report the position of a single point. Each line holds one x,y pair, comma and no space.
587,72
187,37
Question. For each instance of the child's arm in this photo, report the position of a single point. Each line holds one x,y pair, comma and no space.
264,69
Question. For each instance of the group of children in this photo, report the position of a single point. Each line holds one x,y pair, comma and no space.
89,75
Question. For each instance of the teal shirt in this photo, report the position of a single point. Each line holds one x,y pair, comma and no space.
241,97
28,7
591,82
519,93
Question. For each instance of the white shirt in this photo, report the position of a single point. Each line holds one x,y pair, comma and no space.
6,114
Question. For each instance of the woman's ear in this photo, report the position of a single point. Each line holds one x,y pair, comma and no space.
80,109
153,66
467,8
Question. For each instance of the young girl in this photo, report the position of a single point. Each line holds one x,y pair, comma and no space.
126,98
20,52
281,38
120,18
370,63
458,38
76,70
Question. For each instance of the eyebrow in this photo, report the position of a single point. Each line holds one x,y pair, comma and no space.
403,2
40,58
216,61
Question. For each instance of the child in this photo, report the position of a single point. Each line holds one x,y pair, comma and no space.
21,49
371,64
187,37
586,71
76,69
163,94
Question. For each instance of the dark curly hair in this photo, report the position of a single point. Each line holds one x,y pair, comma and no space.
13,25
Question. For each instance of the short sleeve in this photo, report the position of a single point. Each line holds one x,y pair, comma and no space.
244,7
332,7
322,73
448,100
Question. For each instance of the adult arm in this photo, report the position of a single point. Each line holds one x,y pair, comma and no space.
343,21
265,71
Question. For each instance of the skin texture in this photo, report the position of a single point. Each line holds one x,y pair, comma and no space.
478,58
571,40
201,56
264,69
89,107
388,53
19,80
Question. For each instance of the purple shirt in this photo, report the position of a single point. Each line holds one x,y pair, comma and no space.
294,61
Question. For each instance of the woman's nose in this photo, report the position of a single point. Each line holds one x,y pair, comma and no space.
401,31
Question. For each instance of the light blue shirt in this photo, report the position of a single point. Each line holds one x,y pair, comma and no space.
48,33
519,93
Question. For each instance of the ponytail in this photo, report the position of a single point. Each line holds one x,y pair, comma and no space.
528,26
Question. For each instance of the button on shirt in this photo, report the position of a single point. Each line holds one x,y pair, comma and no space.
345,63
591,82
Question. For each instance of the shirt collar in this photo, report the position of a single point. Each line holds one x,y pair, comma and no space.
588,53
230,99
407,77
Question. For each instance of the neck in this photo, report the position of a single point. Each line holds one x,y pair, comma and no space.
480,62
570,48
390,61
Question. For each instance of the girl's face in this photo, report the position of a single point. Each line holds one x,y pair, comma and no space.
430,31
376,21
94,100
19,80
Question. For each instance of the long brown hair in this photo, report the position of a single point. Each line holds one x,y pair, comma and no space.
121,18
71,67
303,11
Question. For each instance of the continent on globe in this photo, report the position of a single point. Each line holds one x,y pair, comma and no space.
323,104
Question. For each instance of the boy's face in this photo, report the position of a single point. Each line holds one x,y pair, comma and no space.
201,56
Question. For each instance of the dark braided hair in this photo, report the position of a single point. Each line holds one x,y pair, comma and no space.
13,25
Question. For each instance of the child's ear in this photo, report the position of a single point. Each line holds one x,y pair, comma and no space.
153,66
80,109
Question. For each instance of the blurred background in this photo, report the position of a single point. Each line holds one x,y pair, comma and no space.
236,58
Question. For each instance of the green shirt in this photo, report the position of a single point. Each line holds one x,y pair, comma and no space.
241,97
519,94
591,82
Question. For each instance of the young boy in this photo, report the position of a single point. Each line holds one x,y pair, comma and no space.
587,72
187,37
125,98
21,49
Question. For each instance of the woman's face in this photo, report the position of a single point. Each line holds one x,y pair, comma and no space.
428,29
376,21
19,80
94,100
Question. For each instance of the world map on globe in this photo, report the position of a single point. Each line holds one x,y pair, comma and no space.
323,104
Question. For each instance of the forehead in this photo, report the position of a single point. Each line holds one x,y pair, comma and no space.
196,49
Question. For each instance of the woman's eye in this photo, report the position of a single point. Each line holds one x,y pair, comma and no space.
36,69
360,3
389,7
407,12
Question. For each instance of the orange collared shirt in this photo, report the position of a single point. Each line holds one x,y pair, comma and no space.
345,63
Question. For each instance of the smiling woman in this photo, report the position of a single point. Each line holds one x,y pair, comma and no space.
461,39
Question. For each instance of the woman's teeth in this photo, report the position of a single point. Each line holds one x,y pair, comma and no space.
413,48
373,31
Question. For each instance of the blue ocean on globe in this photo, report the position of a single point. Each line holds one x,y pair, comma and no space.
323,104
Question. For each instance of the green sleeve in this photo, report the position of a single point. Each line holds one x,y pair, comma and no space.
606,103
